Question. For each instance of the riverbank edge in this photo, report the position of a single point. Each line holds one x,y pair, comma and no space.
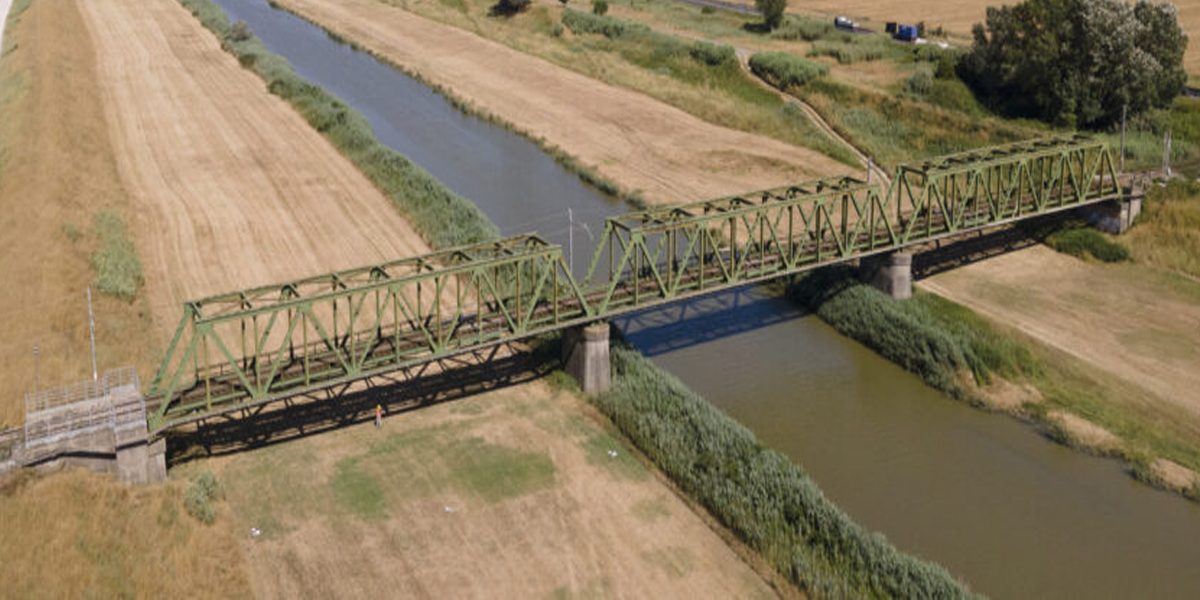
586,173
864,313
849,540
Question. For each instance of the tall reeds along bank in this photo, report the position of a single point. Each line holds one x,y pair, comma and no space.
763,497
443,218
929,336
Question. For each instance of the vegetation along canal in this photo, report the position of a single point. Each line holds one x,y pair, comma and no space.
1013,514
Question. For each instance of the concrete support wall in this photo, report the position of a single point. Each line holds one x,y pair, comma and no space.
1116,217
888,273
585,357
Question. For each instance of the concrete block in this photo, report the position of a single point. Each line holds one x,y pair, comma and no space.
888,273
585,357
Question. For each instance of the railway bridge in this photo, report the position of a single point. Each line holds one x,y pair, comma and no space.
242,351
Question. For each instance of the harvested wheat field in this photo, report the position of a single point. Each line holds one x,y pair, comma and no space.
519,492
230,187
134,109
1116,318
632,139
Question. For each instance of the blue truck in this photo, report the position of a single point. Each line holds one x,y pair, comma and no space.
906,33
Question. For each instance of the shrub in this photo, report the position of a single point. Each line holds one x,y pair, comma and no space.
920,83
800,28
766,499
772,11
1084,241
846,52
599,7
443,218
784,70
239,32
609,27
707,10
118,270
199,497
505,8
712,54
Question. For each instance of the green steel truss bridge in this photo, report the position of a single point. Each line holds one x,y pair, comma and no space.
241,350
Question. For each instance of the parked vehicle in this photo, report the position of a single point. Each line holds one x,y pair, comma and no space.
906,33
844,23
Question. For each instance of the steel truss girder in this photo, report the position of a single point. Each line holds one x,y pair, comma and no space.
250,347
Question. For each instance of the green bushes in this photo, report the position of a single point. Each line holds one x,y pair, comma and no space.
609,27
784,70
801,28
920,82
758,493
927,335
443,218
1085,241
712,54
118,270
645,46
599,7
846,53
199,497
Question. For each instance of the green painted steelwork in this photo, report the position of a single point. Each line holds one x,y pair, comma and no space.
240,350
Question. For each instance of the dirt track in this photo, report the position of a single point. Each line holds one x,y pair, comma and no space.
639,142
230,186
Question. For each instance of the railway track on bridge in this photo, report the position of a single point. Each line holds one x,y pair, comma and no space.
243,350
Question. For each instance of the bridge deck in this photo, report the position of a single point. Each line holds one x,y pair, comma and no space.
244,349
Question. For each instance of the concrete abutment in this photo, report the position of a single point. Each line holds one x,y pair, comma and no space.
585,356
889,273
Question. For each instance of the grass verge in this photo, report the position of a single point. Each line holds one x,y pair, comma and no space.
1167,234
767,500
118,270
443,218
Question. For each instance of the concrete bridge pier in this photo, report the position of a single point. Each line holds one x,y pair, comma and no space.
1117,216
585,356
889,273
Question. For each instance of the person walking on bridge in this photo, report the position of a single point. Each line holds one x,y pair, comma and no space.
378,416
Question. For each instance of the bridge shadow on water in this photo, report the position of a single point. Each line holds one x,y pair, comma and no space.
705,319
399,392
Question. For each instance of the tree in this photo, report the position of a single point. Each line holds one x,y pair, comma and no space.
507,8
599,7
1077,62
772,11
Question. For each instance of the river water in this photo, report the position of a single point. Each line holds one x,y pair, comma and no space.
1011,513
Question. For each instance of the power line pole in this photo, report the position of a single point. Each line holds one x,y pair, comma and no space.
92,334
36,368
571,241
1167,154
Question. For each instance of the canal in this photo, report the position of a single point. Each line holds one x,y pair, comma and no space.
1008,511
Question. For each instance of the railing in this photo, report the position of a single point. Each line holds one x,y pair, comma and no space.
55,414
243,349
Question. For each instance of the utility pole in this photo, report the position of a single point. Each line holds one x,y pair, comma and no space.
1167,154
571,241
92,333
1124,115
36,370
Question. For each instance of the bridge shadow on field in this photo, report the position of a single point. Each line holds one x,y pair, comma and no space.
398,392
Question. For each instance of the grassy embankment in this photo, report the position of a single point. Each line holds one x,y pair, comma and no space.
815,545
638,57
63,210
972,359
